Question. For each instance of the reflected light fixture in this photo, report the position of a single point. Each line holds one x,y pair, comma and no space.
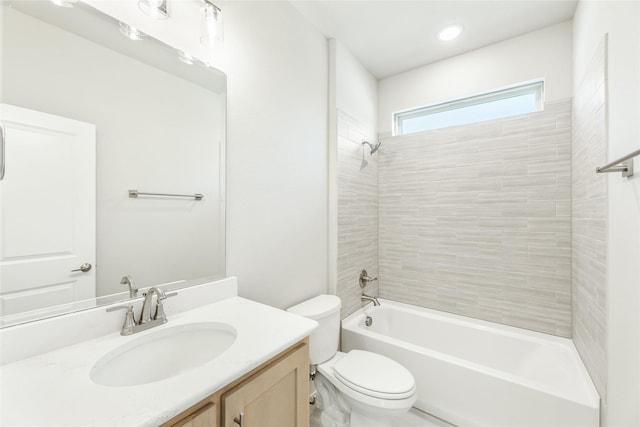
156,9
185,57
450,32
64,3
211,33
131,32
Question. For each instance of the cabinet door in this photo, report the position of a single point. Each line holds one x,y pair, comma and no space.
276,397
204,417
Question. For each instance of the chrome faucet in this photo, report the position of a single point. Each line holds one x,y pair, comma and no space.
127,280
374,300
146,320
145,315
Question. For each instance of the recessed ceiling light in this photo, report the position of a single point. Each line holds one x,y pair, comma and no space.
450,32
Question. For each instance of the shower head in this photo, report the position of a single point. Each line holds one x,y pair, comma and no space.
374,148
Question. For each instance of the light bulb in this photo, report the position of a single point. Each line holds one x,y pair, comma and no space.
156,9
131,32
211,35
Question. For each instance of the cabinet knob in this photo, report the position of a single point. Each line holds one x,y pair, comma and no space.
239,419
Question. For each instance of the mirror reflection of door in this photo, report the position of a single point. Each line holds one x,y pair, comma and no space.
48,210
75,63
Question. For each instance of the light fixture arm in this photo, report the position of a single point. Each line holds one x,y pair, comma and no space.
210,3
156,9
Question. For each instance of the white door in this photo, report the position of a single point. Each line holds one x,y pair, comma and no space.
47,211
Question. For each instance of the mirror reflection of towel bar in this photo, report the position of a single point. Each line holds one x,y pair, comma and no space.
135,193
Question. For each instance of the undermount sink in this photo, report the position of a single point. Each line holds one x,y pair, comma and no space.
163,354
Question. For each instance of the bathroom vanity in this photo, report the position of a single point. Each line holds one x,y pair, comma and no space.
274,394
77,369
160,223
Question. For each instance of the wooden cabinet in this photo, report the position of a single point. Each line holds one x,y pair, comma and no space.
203,417
276,394
276,397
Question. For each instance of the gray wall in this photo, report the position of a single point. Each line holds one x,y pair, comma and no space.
589,242
357,186
475,220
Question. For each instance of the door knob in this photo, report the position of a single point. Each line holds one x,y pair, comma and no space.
84,268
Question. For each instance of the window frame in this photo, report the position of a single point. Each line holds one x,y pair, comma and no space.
536,87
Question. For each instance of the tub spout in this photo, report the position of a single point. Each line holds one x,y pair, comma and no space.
374,300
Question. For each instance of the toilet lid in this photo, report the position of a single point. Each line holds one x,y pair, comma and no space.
374,375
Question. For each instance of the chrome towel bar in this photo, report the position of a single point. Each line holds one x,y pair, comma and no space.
625,162
135,193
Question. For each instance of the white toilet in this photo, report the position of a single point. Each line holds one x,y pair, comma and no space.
359,388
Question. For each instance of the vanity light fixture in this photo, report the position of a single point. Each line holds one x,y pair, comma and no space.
131,32
450,32
211,34
64,3
156,9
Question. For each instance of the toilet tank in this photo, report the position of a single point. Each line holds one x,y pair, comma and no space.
324,309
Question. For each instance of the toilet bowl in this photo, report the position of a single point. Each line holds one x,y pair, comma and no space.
358,388
375,388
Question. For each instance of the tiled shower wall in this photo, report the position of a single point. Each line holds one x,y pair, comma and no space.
589,247
476,220
357,186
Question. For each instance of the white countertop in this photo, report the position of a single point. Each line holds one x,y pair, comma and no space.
54,388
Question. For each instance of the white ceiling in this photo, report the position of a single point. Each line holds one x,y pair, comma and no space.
392,36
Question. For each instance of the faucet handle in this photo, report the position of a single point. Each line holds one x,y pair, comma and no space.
129,321
160,293
120,307
160,315
170,294
364,278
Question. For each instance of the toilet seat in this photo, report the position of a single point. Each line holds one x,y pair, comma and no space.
366,389
374,375
361,402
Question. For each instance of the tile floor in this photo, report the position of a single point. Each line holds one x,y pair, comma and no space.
414,418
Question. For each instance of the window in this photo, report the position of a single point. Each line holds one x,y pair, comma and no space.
522,99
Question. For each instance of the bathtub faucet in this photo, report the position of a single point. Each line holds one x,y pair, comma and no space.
374,300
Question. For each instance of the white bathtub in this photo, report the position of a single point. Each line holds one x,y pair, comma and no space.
475,373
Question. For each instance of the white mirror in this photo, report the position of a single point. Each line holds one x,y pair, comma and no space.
89,115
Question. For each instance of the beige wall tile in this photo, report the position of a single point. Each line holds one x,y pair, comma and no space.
357,173
475,220
589,229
